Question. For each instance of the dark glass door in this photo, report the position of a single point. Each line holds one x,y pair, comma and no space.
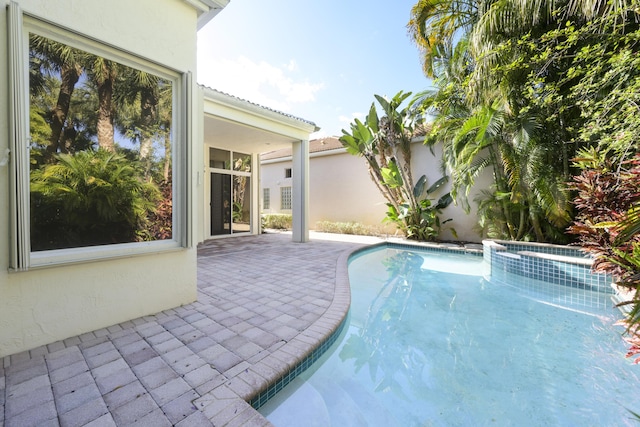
220,204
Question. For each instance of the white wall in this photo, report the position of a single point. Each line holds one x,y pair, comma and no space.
342,191
50,304
425,163
272,176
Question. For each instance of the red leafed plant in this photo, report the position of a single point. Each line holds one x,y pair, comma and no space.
161,219
607,224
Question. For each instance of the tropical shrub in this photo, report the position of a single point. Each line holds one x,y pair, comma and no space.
277,221
355,228
606,224
89,198
161,219
420,221
385,143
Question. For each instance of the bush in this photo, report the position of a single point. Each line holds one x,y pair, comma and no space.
346,228
277,221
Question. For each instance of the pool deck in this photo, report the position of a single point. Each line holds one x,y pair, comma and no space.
263,304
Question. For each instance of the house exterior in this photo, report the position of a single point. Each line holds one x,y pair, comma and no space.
341,190
238,131
50,289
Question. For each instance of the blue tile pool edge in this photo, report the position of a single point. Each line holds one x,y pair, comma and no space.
302,366
262,397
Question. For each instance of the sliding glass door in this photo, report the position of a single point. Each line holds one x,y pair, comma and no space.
220,204
230,192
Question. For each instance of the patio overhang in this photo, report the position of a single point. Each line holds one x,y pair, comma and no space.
238,125
244,126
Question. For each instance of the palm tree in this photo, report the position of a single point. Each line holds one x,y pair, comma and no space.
385,143
104,73
89,198
436,23
145,112
48,56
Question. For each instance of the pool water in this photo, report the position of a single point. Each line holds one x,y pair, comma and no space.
430,342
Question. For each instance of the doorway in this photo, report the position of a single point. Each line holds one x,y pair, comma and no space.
230,192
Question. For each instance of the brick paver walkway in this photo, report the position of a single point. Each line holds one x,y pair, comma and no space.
263,304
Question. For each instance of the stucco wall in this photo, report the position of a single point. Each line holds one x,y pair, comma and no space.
342,191
426,163
50,304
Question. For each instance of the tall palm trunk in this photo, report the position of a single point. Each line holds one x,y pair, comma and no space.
148,117
105,80
70,74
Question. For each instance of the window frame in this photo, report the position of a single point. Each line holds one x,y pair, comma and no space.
266,198
22,257
231,172
289,190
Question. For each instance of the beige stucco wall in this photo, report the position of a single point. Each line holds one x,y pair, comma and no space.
50,304
342,191
272,176
426,163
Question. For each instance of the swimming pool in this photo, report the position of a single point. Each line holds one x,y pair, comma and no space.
429,341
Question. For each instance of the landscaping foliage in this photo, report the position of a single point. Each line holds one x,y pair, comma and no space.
608,202
346,228
277,221
385,143
90,198
545,95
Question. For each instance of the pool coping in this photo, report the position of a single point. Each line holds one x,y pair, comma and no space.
338,311
329,326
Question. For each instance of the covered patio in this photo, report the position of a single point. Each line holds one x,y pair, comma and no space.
264,303
235,132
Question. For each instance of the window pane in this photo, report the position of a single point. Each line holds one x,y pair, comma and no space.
220,204
266,198
241,162
219,159
285,197
241,204
101,149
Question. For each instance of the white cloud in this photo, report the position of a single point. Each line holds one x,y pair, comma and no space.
292,65
258,82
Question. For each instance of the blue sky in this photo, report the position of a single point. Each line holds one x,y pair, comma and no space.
321,60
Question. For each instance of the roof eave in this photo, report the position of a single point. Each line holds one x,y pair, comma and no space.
207,9
232,101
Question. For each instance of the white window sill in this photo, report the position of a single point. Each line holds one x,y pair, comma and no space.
61,257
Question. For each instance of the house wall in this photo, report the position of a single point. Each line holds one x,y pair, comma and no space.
341,190
426,163
50,304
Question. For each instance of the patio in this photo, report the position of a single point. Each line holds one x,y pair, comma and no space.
264,303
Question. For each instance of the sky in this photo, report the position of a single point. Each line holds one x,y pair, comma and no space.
319,60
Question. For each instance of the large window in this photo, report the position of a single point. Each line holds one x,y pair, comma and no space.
103,159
